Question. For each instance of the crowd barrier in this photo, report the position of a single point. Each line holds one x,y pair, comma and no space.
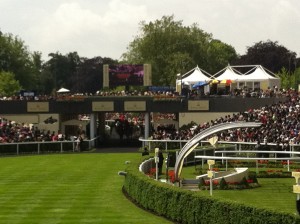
166,144
18,148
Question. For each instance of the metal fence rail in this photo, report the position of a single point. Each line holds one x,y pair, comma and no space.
18,148
178,144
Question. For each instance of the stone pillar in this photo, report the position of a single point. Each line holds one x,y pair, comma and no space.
147,125
93,128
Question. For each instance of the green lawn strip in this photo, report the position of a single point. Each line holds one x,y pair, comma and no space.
77,188
274,193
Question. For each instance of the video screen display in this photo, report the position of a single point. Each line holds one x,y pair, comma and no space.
122,75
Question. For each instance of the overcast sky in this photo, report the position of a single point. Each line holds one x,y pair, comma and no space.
105,27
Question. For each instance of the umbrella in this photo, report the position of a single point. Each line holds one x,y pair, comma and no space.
215,81
226,81
199,84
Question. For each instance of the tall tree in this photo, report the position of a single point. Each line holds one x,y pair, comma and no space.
16,58
90,74
269,54
173,48
37,69
288,79
62,69
219,54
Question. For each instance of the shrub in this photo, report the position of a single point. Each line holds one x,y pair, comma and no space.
252,176
202,185
223,184
244,182
183,206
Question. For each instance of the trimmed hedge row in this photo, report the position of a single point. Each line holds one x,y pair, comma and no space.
185,206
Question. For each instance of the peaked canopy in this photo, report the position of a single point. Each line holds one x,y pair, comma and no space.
196,75
258,74
228,74
63,90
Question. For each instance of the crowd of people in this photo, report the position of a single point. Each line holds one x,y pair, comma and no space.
12,132
191,93
280,125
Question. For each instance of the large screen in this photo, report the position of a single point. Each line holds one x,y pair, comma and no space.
122,75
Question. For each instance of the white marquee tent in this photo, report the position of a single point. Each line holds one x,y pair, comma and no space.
256,77
196,76
259,73
192,77
259,77
228,74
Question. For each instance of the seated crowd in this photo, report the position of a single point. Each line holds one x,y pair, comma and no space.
270,92
12,132
280,124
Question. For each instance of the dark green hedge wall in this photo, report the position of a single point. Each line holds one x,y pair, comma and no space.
185,206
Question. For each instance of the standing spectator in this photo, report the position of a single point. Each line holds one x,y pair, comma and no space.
78,141
160,161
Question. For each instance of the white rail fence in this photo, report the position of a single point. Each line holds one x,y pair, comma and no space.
166,143
18,148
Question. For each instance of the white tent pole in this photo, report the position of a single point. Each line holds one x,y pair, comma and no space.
188,72
246,73
213,76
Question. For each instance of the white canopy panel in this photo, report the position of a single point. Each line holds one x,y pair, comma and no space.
258,74
229,74
63,90
196,76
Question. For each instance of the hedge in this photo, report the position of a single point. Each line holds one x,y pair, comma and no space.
184,206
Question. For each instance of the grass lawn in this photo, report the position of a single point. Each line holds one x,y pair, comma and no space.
274,193
67,188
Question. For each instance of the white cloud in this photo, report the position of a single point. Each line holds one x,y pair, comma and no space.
105,28
73,27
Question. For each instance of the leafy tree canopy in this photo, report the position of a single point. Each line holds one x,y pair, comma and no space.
15,58
9,86
172,48
270,55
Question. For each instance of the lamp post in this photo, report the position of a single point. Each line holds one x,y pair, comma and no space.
210,175
296,189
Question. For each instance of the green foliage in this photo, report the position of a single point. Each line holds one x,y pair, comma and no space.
223,184
244,182
269,54
288,79
16,58
172,48
8,84
201,183
184,206
274,174
252,176
219,54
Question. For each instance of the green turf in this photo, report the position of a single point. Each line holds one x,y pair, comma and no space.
76,188
274,193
